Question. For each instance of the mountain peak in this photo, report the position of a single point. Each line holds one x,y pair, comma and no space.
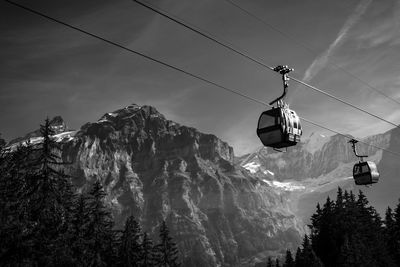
145,130
129,112
57,124
158,169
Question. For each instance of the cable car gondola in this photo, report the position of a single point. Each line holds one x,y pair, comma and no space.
280,126
364,172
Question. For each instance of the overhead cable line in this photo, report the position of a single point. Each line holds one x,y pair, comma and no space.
230,47
180,70
342,101
202,32
348,137
131,50
309,49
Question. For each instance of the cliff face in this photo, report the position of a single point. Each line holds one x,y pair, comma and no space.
315,157
155,169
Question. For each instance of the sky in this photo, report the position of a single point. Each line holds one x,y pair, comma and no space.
47,69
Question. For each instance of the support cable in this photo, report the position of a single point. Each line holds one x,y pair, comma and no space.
342,101
309,49
228,46
202,32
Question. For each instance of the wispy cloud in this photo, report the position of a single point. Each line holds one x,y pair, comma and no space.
384,30
320,62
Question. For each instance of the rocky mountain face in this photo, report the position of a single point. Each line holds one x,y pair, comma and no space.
218,213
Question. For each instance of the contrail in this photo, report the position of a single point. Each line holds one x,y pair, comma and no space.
320,62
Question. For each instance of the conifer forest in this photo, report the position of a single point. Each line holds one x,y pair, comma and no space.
348,232
44,222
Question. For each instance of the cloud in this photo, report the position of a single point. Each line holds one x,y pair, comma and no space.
383,30
320,62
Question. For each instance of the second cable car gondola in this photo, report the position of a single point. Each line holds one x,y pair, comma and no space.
364,172
280,126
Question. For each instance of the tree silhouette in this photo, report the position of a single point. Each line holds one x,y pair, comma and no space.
394,232
14,209
289,262
147,257
269,262
166,252
38,196
308,256
47,195
44,223
101,245
347,232
130,248
299,258
78,237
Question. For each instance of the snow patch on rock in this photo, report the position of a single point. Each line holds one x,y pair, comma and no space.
268,172
252,167
286,186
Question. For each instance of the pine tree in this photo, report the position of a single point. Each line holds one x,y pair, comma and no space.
324,233
166,250
348,254
347,232
299,258
101,244
289,262
46,193
269,262
147,257
13,208
37,202
130,249
78,237
277,264
308,255
316,224
395,232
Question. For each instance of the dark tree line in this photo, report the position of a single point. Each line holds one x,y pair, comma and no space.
349,232
43,222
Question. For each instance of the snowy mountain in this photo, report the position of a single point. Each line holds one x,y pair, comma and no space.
57,124
222,210
312,170
153,168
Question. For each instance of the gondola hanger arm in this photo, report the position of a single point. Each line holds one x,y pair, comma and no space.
353,144
284,71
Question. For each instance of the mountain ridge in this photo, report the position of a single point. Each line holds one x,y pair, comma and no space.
221,211
315,174
156,169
